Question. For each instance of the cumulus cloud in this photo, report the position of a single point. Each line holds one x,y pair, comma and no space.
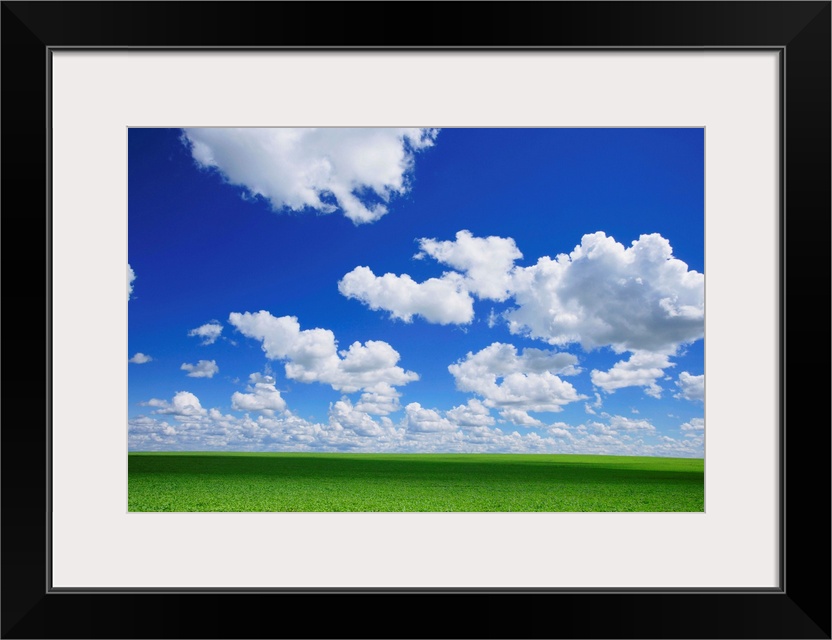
590,408
312,355
462,429
641,369
202,369
347,430
486,262
622,423
420,420
131,276
354,170
482,266
380,399
691,387
638,299
439,300
210,430
517,382
197,428
695,424
472,414
183,405
343,415
500,359
208,332
263,396
560,430
520,418
140,358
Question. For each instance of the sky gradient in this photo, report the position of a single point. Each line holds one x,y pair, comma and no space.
520,290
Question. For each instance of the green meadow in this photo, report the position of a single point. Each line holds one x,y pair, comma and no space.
412,482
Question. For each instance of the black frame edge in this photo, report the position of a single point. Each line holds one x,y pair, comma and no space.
800,610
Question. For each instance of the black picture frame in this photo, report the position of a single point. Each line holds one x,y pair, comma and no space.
799,608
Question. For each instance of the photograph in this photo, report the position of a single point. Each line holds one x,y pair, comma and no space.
416,319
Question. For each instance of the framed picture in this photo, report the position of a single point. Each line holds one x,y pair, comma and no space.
89,84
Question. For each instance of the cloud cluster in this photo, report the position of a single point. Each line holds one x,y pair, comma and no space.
208,332
354,170
140,358
622,423
638,299
379,399
202,369
486,263
590,408
473,414
312,355
695,424
417,419
263,396
466,428
641,369
131,276
438,300
483,269
183,405
691,387
346,418
517,382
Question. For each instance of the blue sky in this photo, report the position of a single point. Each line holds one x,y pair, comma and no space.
522,290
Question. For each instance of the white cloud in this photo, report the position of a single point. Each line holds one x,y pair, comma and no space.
348,430
559,430
622,423
473,414
522,392
486,262
590,408
695,424
439,300
131,276
263,397
354,170
597,427
200,429
216,432
202,369
492,319
140,358
379,399
343,415
183,405
638,299
462,429
641,369
500,359
208,332
312,355
421,420
691,387
519,382
520,418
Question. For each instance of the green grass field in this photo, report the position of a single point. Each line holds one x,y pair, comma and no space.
412,482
